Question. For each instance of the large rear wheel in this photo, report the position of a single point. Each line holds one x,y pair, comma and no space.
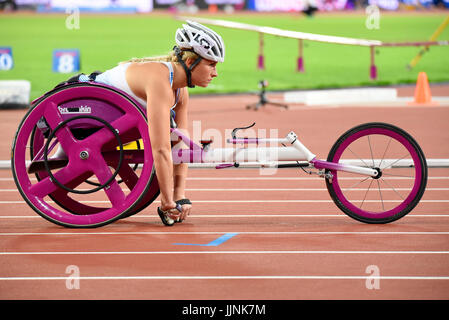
92,145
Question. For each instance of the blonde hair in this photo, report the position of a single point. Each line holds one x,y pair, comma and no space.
171,57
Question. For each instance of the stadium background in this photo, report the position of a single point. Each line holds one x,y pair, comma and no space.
113,31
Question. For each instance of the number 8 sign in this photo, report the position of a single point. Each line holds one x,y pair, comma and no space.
66,60
6,61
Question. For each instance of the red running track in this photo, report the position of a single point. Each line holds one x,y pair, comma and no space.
291,241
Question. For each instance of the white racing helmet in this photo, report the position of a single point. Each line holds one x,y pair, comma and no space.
202,40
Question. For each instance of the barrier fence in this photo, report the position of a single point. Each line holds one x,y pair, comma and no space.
301,36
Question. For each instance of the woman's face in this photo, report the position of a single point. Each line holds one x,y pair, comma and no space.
204,72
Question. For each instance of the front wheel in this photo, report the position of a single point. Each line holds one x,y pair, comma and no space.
402,177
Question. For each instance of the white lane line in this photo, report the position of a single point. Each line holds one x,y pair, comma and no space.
212,252
262,201
221,232
269,178
267,189
224,215
297,178
301,277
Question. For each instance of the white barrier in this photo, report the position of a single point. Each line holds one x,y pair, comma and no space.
285,33
14,94
341,96
301,36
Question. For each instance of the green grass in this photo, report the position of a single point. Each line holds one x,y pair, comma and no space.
106,40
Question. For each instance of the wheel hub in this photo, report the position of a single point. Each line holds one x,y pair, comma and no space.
379,173
84,155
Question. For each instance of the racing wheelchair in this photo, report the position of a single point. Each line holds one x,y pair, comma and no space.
82,157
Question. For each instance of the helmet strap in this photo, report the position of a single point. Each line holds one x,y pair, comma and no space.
188,70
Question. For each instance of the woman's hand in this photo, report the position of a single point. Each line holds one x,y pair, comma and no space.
186,206
170,208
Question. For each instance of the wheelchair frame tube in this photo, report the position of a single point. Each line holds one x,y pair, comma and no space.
320,164
196,154
266,156
261,154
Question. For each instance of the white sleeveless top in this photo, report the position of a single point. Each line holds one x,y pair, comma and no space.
116,77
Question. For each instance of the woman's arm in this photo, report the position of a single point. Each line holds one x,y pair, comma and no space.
150,81
180,170
158,113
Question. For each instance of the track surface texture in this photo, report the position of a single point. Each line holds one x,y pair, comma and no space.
252,234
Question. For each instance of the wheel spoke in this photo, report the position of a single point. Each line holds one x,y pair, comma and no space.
128,175
46,186
385,152
53,118
392,188
74,183
357,183
371,150
366,193
358,157
380,193
105,136
113,191
391,164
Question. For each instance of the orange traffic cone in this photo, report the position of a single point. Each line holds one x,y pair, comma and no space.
422,91
213,8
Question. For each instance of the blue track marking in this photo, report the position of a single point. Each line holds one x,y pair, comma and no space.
214,243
